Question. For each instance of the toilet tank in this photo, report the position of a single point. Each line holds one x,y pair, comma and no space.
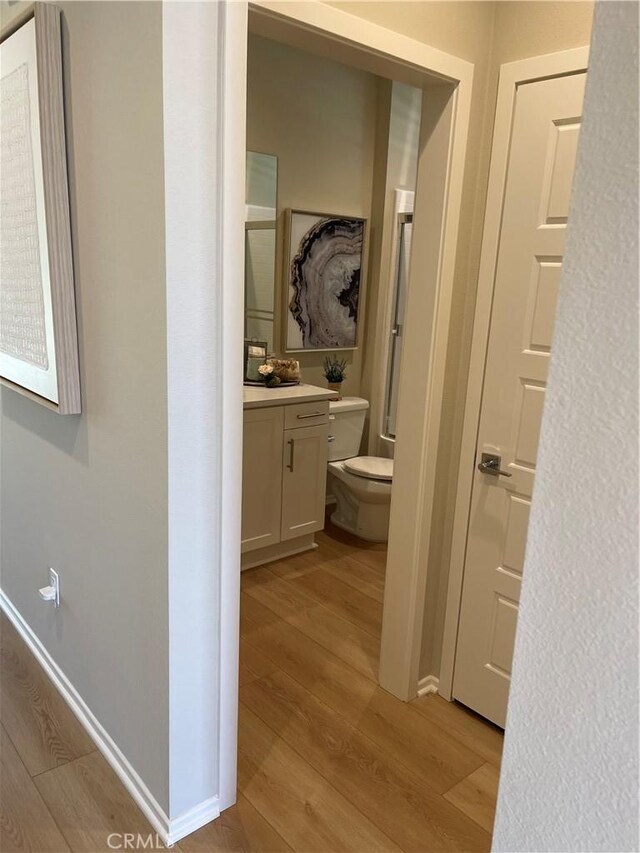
346,422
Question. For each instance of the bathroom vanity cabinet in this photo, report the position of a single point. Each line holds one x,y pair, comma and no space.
284,470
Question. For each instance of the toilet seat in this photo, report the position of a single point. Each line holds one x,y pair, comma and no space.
370,467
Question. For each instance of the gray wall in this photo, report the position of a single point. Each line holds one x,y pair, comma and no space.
570,768
88,494
318,117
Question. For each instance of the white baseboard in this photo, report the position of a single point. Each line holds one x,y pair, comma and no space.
428,684
169,830
188,822
262,556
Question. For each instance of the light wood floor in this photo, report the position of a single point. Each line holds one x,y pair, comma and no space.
327,760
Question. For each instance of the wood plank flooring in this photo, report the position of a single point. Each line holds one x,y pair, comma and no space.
328,761
319,738
42,728
57,791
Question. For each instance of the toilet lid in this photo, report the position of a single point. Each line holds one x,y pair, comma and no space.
373,467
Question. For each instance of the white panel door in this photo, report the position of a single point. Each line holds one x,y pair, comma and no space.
536,205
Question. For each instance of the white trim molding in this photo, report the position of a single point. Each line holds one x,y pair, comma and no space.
428,684
204,98
375,48
512,74
445,112
169,831
183,825
233,142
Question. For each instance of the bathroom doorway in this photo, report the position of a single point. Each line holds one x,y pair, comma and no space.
221,151
445,83
321,628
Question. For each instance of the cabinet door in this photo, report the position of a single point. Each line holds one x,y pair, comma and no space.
304,478
262,477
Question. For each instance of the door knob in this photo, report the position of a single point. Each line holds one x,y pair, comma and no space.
490,464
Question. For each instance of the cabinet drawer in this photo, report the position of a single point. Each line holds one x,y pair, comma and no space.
306,414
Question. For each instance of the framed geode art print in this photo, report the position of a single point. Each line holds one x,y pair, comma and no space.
38,335
323,262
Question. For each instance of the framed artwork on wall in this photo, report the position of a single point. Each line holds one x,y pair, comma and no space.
323,267
38,334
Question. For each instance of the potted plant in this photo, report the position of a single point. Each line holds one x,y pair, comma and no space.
335,373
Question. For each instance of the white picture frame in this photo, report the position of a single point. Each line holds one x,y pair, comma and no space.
38,331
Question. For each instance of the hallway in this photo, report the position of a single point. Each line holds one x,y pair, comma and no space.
327,760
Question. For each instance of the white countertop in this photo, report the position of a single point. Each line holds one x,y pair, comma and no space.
257,397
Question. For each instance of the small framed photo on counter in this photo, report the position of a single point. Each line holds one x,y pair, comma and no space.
255,355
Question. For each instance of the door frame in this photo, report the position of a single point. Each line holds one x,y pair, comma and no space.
345,38
446,81
512,75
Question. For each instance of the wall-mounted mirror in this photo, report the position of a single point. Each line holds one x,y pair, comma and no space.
260,247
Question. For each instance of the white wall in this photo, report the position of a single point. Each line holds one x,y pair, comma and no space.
570,768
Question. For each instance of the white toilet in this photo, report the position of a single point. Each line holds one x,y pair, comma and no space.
361,485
